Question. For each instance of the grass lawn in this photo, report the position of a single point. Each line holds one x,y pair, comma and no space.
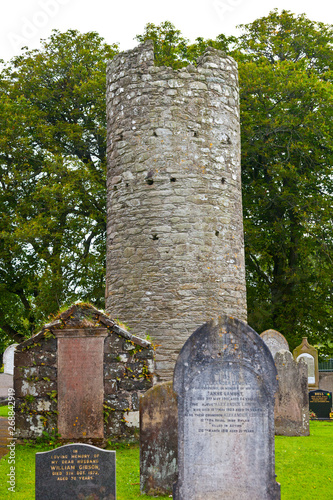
304,468
304,465
3,411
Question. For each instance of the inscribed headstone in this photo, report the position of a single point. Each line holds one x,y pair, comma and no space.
8,359
275,341
292,399
76,471
80,383
320,403
310,355
225,381
158,440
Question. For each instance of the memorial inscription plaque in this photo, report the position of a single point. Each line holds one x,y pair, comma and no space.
76,471
320,402
225,380
80,383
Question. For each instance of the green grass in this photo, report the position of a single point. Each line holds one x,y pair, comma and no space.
3,411
304,465
304,468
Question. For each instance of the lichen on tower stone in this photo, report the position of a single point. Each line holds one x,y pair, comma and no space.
175,245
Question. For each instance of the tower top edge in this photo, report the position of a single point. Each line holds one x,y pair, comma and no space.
142,56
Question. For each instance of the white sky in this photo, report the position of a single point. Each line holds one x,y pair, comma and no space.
25,22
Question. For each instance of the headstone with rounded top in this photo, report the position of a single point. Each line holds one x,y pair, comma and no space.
275,341
225,381
310,355
8,359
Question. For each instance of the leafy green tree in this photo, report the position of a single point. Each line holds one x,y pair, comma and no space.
170,47
287,156
284,36
285,64
52,160
52,168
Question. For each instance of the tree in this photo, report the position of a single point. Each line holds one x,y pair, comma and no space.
285,66
52,161
287,156
283,36
172,49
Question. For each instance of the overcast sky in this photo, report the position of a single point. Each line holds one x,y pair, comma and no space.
25,22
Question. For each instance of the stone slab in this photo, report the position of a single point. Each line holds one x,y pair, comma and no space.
225,381
310,355
320,402
6,382
80,387
275,341
292,399
4,437
8,359
326,381
158,440
76,471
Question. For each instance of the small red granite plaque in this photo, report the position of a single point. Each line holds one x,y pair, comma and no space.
80,383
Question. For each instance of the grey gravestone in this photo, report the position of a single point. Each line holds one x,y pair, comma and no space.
8,359
76,471
320,402
225,381
275,341
292,398
158,440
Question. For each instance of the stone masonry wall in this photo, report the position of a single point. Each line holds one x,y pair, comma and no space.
175,254
128,373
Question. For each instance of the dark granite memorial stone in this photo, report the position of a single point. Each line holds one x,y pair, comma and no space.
225,381
76,471
320,402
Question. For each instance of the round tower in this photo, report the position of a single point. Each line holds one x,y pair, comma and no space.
175,245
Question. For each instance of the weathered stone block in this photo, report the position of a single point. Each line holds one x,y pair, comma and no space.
25,358
158,440
141,384
292,398
114,371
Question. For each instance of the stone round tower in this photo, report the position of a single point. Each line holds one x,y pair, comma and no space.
175,246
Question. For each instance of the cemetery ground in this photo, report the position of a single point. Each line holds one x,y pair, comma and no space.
304,467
